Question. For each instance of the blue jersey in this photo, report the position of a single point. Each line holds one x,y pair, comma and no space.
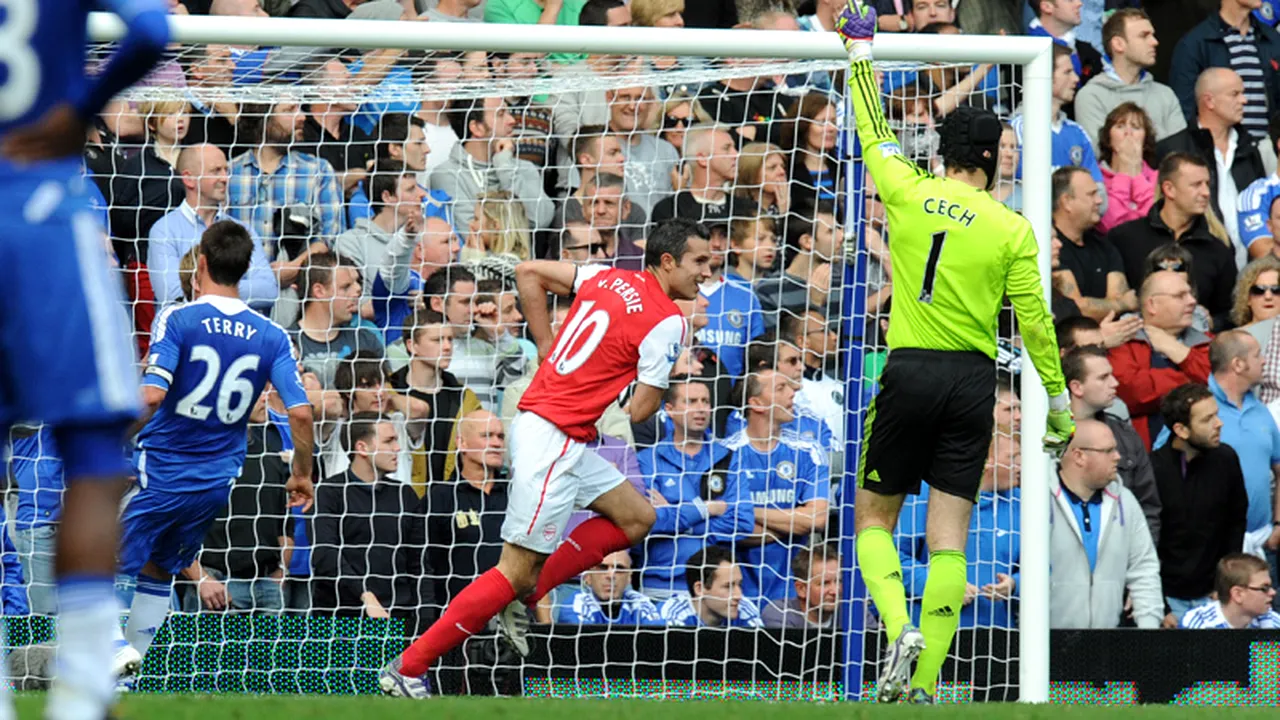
390,311
43,52
36,467
678,610
213,356
584,609
734,318
1255,209
1071,146
793,473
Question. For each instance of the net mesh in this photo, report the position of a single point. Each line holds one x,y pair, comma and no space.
513,157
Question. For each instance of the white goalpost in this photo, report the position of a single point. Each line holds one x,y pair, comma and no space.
705,56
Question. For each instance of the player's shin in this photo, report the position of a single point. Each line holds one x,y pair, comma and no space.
585,547
151,602
467,615
87,610
940,614
882,572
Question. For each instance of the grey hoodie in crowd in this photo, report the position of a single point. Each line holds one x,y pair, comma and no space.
1107,91
364,244
466,179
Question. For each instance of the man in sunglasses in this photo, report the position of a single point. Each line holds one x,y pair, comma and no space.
1245,594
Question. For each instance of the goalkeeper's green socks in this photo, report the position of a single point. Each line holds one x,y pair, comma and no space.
882,572
940,615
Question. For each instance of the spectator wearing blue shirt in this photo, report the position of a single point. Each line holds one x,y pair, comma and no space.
733,312
1071,145
1059,19
715,597
400,139
1248,427
788,478
203,169
768,353
993,548
1256,205
696,499
36,468
1245,593
607,597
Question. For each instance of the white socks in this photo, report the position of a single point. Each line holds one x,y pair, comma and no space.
85,685
150,607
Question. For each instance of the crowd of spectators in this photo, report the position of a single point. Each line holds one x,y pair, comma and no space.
389,230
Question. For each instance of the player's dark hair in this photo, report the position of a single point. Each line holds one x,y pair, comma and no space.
1172,257
1066,329
671,237
802,562
704,565
1234,570
318,271
596,12
1115,26
936,28
803,221
365,369
419,321
361,426
762,352
386,179
791,324
227,248
441,282
1227,346
1061,183
1176,406
1060,51
393,129
1075,363
462,112
750,386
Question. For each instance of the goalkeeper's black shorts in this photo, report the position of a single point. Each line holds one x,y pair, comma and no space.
931,422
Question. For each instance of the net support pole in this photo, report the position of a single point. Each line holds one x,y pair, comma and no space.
1033,626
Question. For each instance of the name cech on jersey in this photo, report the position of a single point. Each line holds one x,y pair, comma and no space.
222,326
946,208
624,289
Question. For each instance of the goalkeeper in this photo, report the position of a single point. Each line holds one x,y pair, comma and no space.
956,253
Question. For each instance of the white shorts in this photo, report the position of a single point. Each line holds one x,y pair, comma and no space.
552,475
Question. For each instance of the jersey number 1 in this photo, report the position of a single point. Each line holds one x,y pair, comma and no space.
21,85
232,386
931,267
596,322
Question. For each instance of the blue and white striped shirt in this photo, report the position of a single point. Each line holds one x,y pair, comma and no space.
1210,617
678,610
584,608
302,179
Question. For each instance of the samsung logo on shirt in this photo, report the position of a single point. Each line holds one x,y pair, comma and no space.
774,497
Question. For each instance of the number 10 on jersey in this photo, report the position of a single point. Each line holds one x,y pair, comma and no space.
586,320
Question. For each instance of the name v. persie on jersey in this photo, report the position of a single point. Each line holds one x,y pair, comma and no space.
950,209
624,289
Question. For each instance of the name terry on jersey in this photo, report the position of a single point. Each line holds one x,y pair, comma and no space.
955,211
629,294
222,326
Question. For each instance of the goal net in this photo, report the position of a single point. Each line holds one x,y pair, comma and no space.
391,193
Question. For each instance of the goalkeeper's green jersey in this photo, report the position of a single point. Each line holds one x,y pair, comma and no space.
956,252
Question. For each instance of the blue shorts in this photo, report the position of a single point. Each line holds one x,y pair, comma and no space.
65,353
166,528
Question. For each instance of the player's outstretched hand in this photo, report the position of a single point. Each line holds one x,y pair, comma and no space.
301,492
1061,428
857,27
60,133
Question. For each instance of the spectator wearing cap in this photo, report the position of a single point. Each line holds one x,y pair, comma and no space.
1245,593
1204,504
1090,271
397,221
1130,42
1235,358
1230,38
1092,388
203,169
1099,543
813,239
652,165
995,526
1181,218
273,174
1218,137
1059,19
601,205
1165,354
1071,145
484,160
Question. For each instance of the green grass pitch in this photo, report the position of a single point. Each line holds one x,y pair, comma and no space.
248,707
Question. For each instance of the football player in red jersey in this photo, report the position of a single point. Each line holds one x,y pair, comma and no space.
623,327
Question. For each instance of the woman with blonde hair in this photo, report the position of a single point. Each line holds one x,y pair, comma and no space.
762,176
499,227
1257,293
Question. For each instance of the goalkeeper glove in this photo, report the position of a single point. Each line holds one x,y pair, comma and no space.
1061,426
857,26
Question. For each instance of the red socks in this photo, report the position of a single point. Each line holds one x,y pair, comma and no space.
468,614
585,547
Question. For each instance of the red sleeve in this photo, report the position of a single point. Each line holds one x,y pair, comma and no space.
1142,386
1196,364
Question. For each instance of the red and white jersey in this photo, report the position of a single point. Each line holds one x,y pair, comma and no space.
622,327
